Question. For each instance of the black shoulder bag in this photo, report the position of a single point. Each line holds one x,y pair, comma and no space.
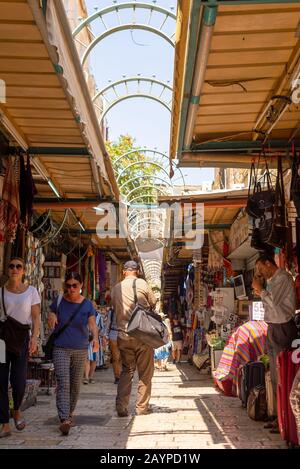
13,332
279,234
260,200
147,326
49,347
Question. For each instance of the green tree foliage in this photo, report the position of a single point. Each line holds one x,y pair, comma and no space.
142,174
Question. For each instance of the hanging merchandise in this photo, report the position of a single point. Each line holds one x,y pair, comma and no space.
101,269
27,191
261,200
260,205
295,183
216,246
279,231
9,205
34,271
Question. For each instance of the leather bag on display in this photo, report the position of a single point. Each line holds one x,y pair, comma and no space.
261,199
279,232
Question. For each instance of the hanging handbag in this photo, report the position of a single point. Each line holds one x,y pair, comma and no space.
279,232
147,326
260,233
13,332
260,200
49,347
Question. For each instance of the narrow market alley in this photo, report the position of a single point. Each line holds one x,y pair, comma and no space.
188,412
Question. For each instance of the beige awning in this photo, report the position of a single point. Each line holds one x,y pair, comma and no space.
253,56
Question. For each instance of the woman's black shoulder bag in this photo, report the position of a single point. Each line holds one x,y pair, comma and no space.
13,332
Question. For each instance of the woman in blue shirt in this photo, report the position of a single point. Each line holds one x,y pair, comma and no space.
70,347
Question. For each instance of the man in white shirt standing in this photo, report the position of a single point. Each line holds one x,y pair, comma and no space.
279,300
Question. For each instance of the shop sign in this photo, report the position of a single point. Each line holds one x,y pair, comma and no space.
258,312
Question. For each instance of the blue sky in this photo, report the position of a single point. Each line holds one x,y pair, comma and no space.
131,53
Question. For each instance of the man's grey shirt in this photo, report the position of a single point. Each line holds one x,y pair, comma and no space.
279,299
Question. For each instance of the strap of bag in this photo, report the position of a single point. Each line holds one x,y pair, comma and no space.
3,304
60,331
135,292
252,179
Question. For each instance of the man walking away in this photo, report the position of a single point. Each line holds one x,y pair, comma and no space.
279,300
134,353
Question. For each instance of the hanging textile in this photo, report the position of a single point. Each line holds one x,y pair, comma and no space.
102,270
27,191
9,205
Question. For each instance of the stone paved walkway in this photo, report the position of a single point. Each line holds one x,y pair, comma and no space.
189,413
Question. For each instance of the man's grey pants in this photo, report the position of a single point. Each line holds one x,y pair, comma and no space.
279,337
135,354
69,367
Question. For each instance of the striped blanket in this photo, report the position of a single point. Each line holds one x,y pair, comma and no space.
245,344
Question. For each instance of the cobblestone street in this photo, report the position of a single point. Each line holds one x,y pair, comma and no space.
188,413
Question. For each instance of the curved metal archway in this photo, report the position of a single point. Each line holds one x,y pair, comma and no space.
141,197
131,96
146,220
141,163
147,186
134,6
118,87
147,176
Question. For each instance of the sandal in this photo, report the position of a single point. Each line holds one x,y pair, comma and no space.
20,424
65,427
4,434
85,381
92,381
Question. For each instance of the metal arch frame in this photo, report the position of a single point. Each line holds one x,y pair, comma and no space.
144,177
121,6
124,27
139,163
131,218
142,150
148,186
143,231
134,215
131,96
143,220
140,197
132,79
149,150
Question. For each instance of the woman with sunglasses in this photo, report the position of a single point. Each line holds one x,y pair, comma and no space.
70,347
22,302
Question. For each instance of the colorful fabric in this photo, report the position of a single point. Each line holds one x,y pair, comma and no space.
9,205
245,344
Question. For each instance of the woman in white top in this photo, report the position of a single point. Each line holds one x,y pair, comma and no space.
22,302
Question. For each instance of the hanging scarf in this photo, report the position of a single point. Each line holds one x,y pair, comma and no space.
9,205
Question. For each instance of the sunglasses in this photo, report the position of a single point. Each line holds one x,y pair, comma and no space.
15,266
72,285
